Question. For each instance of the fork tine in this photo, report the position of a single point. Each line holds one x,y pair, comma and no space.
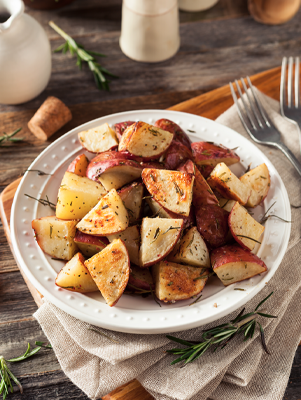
239,110
259,105
252,121
290,82
297,82
252,104
282,84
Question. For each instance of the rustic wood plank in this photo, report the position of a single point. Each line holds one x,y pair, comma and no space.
130,391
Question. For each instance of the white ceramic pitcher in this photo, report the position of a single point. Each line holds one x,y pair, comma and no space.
25,55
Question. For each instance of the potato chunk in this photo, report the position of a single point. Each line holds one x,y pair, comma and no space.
110,270
132,198
131,239
191,250
73,201
89,244
79,165
147,141
75,277
244,228
171,189
177,282
228,185
234,264
55,236
258,179
158,238
107,217
99,139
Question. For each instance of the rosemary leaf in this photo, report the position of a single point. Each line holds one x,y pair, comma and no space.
10,137
44,202
247,237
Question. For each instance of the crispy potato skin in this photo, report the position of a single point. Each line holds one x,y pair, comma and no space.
206,153
212,224
121,127
176,154
79,165
110,159
202,193
172,127
239,261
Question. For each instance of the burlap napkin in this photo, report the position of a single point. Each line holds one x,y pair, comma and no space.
241,370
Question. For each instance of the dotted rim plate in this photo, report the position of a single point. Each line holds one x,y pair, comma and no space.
136,314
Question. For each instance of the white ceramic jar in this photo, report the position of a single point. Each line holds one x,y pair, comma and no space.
150,29
196,5
25,55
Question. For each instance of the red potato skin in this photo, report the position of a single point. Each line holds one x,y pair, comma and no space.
212,224
176,154
233,253
205,170
207,153
202,193
90,239
110,159
172,127
141,278
120,127
73,166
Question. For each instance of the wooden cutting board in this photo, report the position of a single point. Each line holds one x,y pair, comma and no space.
209,105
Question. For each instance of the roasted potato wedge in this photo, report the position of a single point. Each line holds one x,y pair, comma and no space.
191,250
131,239
89,244
233,264
202,193
75,277
207,153
109,216
144,140
228,185
212,224
131,196
158,238
177,282
55,236
110,270
258,179
120,127
73,202
227,204
99,139
170,126
79,165
244,228
175,155
171,189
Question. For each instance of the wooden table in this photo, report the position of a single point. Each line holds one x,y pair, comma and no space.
217,46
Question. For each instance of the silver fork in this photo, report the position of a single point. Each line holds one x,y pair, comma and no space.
291,109
257,123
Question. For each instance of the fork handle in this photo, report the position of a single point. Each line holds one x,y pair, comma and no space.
290,156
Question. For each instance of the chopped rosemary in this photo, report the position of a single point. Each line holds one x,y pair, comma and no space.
105,206
170,228
10,137
178,189
84,55
190,130
157,233
205,276
266,217
219,336
40,173
237,288
247,237
196,300
44,202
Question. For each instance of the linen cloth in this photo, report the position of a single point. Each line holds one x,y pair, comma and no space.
242,370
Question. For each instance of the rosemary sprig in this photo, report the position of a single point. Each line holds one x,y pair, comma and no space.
266,217
40,173
6,374
44,202
10,137
84,55
220,336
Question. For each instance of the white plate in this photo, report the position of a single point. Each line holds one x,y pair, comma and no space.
136,314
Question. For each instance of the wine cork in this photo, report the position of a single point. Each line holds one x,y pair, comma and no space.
50,117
